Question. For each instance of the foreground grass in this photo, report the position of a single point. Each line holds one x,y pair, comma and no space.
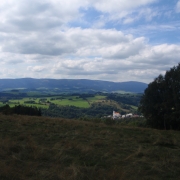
49,148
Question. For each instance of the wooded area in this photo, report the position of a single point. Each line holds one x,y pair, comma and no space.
160,103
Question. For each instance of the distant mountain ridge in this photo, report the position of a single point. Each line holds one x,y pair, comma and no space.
73,84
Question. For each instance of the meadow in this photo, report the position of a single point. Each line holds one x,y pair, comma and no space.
43,102
54,148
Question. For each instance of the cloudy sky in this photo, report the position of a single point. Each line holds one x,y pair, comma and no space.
113,40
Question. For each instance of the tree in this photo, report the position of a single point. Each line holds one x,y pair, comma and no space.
160,103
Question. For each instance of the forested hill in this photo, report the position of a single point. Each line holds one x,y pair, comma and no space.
72,84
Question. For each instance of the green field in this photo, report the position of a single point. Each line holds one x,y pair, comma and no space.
79,102
96,98
44,102
35,148
1,104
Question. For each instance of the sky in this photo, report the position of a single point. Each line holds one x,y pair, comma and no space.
117,40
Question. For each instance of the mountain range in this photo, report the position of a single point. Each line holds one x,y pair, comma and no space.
73,85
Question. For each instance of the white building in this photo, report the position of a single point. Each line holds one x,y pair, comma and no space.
129,115
116,115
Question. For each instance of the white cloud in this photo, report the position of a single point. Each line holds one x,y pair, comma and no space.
146,65
178,7
74,41
119,5
37,40
91,53
36,15
36,68
128,20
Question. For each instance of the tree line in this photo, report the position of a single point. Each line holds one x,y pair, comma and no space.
160,103
72,112
22,110
128,99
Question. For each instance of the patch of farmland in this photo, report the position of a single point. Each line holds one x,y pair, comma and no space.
72,101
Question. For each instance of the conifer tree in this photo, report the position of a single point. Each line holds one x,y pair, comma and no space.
160,103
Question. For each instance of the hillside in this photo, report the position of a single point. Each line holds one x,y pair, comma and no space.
48,148
72,105
72,85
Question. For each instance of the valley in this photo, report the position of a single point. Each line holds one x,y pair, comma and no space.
77,105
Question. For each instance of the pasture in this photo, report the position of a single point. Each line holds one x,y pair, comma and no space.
63,100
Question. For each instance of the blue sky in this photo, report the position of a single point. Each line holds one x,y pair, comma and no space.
117,40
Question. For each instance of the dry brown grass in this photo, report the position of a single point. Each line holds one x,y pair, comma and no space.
49,148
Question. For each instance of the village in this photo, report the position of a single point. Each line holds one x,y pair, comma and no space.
116,116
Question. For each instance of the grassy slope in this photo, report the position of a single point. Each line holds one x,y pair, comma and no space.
49,148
